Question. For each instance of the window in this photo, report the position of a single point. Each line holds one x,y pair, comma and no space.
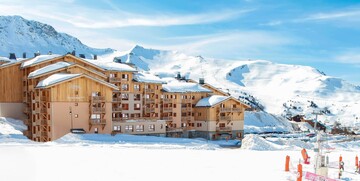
136,106
136,87
234,106
76,93
221,125
199,114
174,105
125,106
76,104
117,128
124,76
96,130
112,75
125,97
151,127
139,128
125,115
137,97
198,124
124,87
183,125
174,114
129,128
161,126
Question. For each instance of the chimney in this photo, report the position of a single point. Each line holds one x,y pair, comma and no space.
24,55
95,57
201,81
12,56
50,53
36,54
82,55
73,52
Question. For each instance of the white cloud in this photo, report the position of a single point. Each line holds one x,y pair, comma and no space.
353,14
83,17
349,57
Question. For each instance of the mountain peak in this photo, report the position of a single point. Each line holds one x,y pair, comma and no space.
19,35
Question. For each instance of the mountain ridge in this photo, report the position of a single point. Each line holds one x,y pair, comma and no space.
19,35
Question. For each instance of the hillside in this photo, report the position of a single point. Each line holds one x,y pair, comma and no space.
280,89
18,35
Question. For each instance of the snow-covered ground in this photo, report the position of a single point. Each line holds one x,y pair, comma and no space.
127,157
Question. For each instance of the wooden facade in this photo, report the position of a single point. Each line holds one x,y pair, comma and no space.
107,101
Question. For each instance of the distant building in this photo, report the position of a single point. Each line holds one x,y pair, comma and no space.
57,94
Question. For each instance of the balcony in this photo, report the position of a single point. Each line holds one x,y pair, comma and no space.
97,98
167,109
186,100
117,119
185,118
149,110
116,99
227,129
45,122
114,79
43,110
223,109
149,90
98,110
167,118
116,109
97,121
225,118
149,101
44,134
236,109
167,100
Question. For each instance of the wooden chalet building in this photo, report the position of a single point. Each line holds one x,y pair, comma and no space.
59,94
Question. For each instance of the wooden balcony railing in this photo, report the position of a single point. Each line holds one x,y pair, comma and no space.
97,98
116,99
223,109
236,109
116,109
223,128
186,100
149,90
114,79
98,110
45,133
167,118
167,109
149,101
149,110
97,121
45,122
225,117
167,100
117,119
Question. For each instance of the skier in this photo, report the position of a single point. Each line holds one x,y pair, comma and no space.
341,165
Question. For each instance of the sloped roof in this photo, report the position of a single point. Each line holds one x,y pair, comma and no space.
147,78
183,87
62,77
112,66
211,101
49,68
39,59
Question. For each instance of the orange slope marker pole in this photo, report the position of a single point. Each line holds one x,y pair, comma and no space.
299,174
287,162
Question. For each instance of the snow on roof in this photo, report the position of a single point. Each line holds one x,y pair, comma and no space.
148,78
112,66
49,68
4,59
182,87
38,59
211,101
55,78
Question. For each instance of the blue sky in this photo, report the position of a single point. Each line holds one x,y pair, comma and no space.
324,34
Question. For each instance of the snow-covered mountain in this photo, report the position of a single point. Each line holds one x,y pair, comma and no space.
18,35
280,89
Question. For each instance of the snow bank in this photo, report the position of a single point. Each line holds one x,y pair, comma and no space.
211,101
11,131
255,142
262,122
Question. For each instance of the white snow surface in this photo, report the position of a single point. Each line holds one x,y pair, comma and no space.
38,59
174,85
211,100
49,68
18,35
261,122
148,78
269,84
113,66
55,78
73,154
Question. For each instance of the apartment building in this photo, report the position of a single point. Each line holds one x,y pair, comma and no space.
59,94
